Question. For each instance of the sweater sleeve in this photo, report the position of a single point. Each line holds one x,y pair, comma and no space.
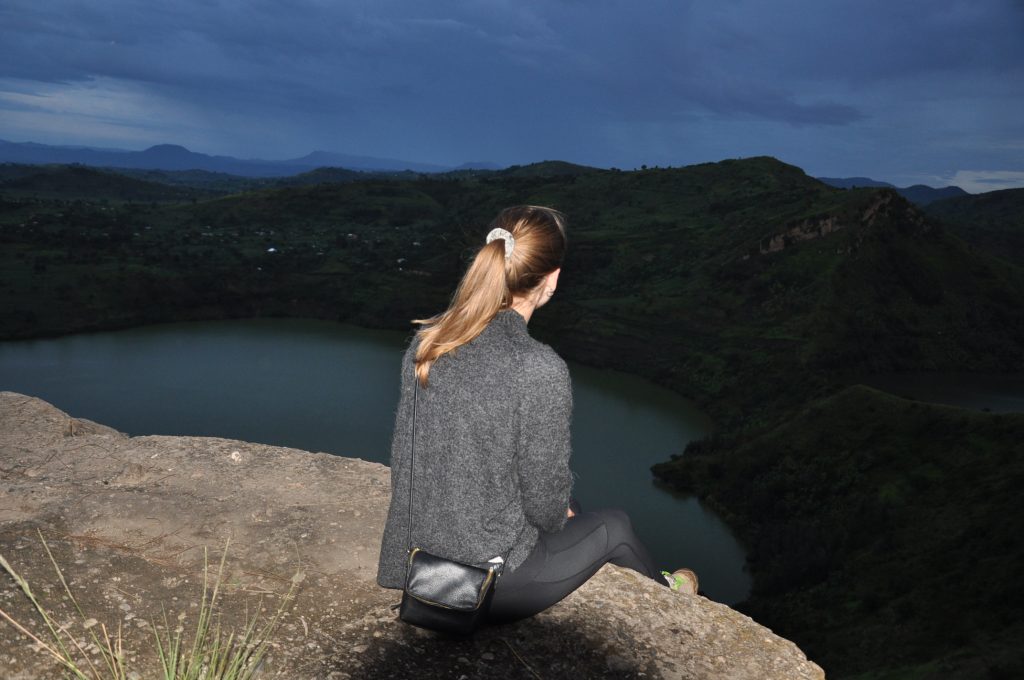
544,442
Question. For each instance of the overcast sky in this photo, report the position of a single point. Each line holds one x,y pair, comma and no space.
907,91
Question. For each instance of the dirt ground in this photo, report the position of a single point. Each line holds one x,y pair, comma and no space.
130,521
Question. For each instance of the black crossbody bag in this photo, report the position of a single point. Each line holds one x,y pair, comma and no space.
442,594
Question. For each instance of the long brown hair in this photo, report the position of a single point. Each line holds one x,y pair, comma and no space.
491,281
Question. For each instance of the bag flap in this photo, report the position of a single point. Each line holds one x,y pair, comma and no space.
448,584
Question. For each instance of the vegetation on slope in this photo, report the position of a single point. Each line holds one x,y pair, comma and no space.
77,182
884,533
993,222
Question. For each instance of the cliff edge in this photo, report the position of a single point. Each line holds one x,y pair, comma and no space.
127,519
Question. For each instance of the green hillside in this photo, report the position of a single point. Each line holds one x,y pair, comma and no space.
545,169
76,182
720,272
885,534
993,222
219,183
325,176
216,183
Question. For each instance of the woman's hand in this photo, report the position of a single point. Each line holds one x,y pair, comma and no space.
570,513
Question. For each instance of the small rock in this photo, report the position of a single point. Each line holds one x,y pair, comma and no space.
617,664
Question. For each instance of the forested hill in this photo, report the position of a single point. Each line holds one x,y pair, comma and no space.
140,185
884,533
78,182
993,221
721,280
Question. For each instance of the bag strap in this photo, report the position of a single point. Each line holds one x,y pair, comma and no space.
412,458
412,474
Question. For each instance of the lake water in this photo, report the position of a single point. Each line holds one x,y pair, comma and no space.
323,386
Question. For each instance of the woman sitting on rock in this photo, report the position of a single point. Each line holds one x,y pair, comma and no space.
492,436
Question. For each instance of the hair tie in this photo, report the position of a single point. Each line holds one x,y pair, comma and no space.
510,242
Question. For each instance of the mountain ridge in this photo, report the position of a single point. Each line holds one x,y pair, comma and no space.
178,157
919,194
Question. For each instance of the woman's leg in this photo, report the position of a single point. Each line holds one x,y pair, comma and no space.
562,562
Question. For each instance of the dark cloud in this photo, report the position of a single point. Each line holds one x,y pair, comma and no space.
839,87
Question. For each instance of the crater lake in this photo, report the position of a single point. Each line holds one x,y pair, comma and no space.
323,386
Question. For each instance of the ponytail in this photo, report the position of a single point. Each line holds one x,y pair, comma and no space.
492,279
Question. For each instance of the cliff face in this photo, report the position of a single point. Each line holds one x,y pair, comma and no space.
127,519
886,211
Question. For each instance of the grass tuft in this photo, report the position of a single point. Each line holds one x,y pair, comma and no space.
214,653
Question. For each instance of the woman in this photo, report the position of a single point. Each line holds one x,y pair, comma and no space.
492,477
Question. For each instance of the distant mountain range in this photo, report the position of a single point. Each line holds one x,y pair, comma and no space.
175,157
920,194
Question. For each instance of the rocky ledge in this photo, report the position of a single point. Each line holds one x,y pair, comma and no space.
128,518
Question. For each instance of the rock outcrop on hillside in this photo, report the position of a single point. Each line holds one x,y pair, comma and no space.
127,519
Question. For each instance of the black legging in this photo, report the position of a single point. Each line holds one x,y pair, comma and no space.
562,562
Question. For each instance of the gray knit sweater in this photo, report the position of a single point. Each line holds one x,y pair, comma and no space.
492,451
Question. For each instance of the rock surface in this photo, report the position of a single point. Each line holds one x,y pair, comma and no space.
128,518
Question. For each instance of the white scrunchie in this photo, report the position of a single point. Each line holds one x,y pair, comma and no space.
510,243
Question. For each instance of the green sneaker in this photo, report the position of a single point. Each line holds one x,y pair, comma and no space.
682,580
